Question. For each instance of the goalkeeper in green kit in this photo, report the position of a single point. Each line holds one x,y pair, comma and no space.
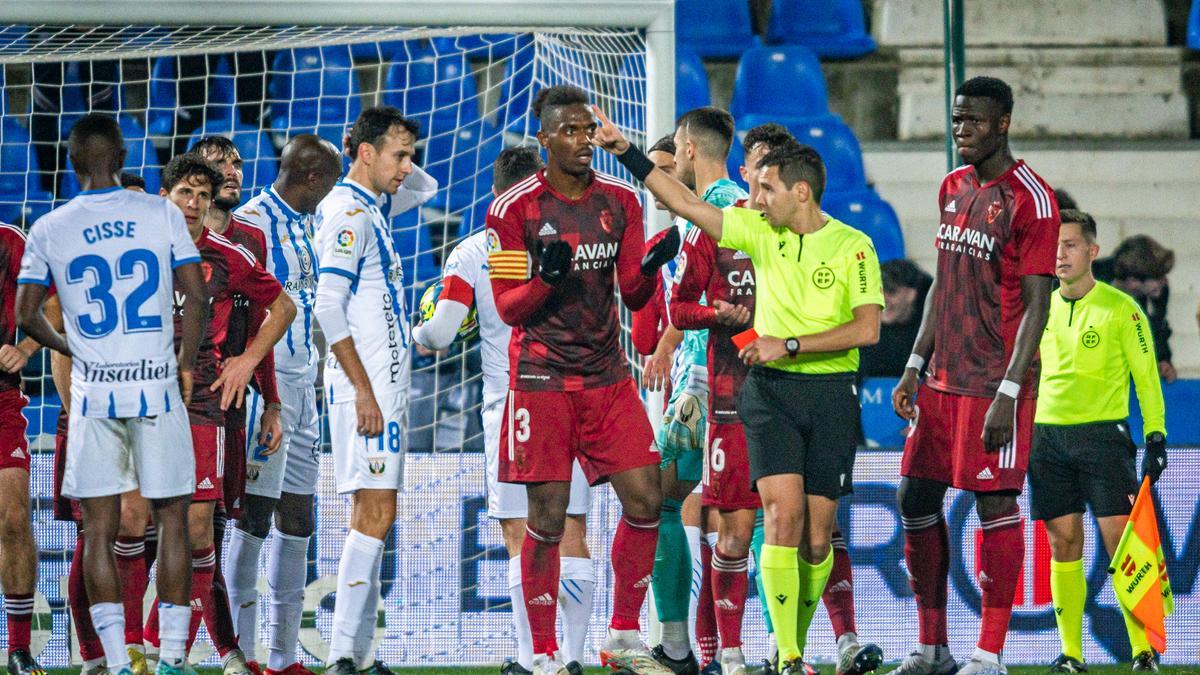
1096,338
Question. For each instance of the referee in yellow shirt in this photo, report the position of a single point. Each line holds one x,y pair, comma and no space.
1096,339
818,299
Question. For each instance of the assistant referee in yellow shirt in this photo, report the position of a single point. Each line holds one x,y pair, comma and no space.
818,299
1096,339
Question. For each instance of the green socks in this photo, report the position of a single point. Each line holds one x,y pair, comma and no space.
1068,586
781,586
812,584
672,581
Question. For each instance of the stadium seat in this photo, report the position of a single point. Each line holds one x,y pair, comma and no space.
517,92
21,195
222,91
832,28
1193,32
411,238
162,97
717,28
140,158
691,87
691,81
432,82
830,137
867,211
260,165
765,72
480,46
313,90
460,153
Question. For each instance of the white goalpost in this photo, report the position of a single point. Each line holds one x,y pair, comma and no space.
260,71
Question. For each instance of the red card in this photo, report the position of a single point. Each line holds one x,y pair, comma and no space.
744,338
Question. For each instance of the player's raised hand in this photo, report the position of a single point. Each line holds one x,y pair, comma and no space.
998,423
904,395
270,433
235,376
608,136
370,417
728,314
185,385
12,359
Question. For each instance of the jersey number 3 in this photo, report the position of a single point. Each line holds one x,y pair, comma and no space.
100,293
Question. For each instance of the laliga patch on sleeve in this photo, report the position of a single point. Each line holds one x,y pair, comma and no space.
744,338
344,244
493,241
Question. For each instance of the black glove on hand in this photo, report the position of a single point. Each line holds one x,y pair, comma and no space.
554,262
662,252
1155,459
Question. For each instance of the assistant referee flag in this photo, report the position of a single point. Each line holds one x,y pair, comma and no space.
1140,573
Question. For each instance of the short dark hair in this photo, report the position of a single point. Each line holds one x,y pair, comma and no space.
1065,200
774,135
513,165
902,273
214,145
376,122
1086,223
130,179
1142,257
665,144
710,128
93,128
797,162
558,96
183,167
988,87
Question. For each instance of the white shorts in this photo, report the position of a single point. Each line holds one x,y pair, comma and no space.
361,463
508,500
295,466
113,456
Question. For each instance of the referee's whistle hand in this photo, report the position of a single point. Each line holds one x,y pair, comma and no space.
998,423
904,396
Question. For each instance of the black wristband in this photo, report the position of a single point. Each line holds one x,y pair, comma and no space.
638,164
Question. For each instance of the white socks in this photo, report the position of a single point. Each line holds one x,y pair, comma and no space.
520,617
357,589
109,621
288,564
173,623
241,566
577,580
675,641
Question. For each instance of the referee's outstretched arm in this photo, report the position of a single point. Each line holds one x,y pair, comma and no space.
674,195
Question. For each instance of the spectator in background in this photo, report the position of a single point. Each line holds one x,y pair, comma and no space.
1139,266
904,289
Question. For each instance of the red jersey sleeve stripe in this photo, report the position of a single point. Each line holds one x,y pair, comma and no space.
1041,198
500,205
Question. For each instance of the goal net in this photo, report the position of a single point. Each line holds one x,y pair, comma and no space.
445,595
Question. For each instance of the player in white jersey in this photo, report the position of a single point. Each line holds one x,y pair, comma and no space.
464,283
360,305
282,483
111,255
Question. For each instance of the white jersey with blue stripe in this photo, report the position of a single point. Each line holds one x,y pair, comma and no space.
111,255
292,259
354,241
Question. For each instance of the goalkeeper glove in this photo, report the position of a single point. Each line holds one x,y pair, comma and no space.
554,261
661,253
1155,459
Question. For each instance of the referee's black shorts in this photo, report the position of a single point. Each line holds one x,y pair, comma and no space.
802,424
1073,467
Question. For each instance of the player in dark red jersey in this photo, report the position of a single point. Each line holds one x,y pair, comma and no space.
972,422
189,181
558,239
18,555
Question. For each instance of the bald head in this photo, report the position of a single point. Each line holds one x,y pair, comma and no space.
308,168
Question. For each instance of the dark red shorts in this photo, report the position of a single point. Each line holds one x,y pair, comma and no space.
945,444
65,508
605,428
235,468
14,447
208,443
726,477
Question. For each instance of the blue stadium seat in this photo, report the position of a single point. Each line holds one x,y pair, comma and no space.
260,165
691,81
411,238
140,158
1193,33
865,210
831,138
719,28
460,154
691,87
313,90
74,99
432,82
494,45
21,193
516,94
832,28
222,91
783,81
162,97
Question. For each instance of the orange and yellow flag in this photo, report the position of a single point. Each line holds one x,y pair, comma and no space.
1140,573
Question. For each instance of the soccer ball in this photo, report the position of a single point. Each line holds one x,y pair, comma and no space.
470,325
